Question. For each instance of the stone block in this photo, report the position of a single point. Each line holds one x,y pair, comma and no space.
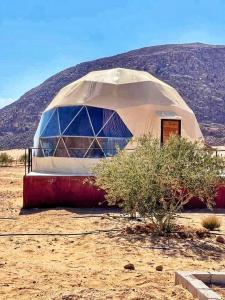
218,277
203,276
207,294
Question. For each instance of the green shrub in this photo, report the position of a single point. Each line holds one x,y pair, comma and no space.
211,222
22,159
5,159
157,181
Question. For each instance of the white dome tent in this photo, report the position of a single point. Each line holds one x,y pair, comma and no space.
88,118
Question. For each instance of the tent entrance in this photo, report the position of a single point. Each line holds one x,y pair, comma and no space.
169,127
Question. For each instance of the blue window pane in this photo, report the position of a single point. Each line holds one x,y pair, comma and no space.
66,114
77,146
80,126
52,129
98,116
49,145
115,128
95,151
111,145
61,150
43,122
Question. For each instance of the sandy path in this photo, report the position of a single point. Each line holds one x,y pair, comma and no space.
90,266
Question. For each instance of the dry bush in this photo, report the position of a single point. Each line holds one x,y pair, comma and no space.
211,222
5,159
22,159
156,181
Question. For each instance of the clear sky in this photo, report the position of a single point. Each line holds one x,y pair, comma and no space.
41,37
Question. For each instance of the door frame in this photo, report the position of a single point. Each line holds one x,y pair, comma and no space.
179,127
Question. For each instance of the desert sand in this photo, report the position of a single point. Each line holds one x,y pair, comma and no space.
80,253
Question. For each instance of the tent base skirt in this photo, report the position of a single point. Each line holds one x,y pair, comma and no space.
65,191
40,191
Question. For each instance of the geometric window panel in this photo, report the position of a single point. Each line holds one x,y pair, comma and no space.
115,128
45,118
99,117
110,146
38,151
42,124
80,126
95,151
61,150
66,115
77,146
81,132
48,145
52,128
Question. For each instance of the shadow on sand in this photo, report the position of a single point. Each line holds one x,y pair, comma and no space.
78,212
172,245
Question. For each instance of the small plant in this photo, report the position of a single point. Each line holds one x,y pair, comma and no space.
5,159
22,159
211,222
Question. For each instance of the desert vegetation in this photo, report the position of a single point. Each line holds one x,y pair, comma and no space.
5,159
12,158
211,222
157,181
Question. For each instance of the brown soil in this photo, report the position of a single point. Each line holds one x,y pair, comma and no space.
220,290
82,262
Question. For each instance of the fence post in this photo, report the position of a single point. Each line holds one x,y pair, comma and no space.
25,161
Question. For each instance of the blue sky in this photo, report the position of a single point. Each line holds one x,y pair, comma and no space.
41,37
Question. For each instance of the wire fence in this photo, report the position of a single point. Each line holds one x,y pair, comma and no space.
50,152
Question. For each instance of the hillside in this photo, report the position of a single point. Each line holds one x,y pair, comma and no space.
197,71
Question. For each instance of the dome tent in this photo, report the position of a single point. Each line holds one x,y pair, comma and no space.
90,117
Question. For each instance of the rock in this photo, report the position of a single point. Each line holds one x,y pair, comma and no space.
129,267
183,234
202,233
140,228
129,230
159,268
220,239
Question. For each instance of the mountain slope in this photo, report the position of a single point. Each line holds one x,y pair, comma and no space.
197,71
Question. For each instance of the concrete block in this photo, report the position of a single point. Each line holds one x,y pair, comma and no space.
194,282
218,277
193,285
207,294
203,276
180,275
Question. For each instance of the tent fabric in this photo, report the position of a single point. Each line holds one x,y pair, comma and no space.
65,165
132,102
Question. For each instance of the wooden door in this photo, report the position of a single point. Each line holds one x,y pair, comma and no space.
169,127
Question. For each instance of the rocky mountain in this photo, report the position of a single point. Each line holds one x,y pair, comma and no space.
196,70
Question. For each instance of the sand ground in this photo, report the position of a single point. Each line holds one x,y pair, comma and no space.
82,262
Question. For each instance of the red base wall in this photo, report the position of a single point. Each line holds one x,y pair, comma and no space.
52,191
71,191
